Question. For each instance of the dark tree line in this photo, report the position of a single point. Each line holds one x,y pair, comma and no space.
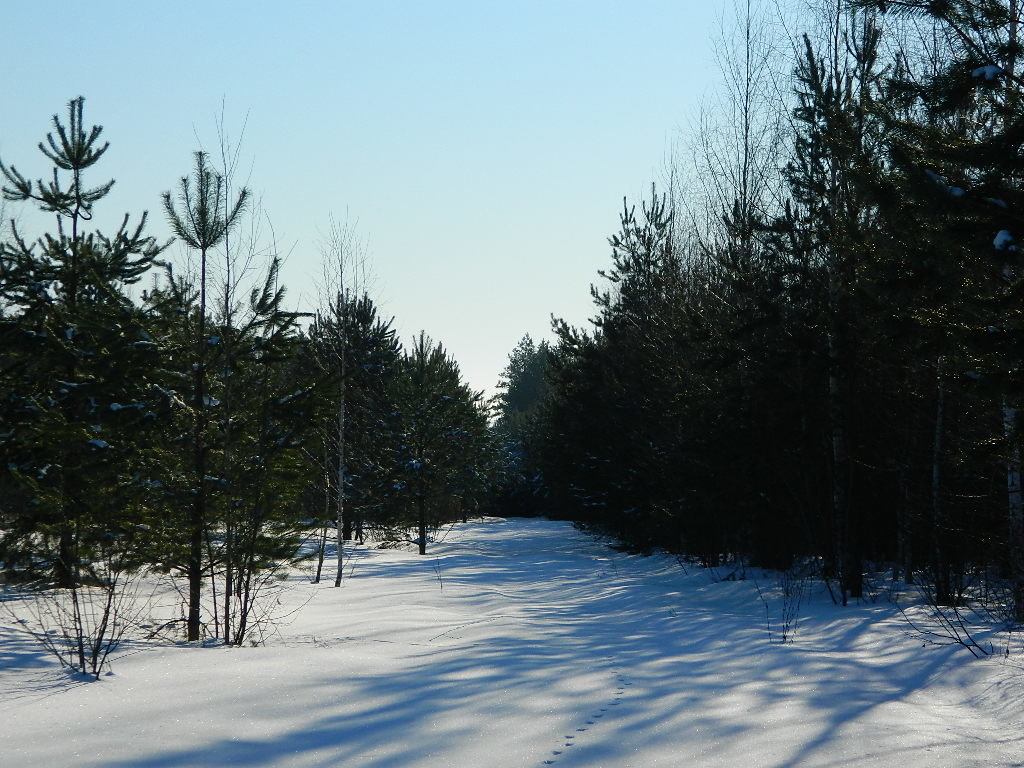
195,428
831,374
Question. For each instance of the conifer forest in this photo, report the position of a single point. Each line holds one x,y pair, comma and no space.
806,351
805,354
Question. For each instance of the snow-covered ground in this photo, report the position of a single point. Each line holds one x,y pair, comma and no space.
525,643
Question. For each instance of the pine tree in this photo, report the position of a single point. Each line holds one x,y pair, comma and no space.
205,218
260,528
954,143
830,226
78,367
522,391
441,459
357,353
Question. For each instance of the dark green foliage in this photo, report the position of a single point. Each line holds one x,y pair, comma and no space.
444,458
837,383
523,390
622,389
953,201
264,418
523,382
204,221
79,407
358,355
158,433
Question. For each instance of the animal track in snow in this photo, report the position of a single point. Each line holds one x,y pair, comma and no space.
614,700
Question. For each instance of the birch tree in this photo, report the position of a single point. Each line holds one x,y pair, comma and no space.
345,282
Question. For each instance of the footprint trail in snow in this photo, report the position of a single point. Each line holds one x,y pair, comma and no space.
579,736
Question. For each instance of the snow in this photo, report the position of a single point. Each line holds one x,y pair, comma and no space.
525,643
288,398
953,191
988,72
1003,240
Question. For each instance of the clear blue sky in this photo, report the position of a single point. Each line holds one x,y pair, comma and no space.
484,148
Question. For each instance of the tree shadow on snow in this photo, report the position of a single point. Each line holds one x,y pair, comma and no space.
609,655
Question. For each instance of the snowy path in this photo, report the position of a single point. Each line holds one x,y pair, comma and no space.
519,644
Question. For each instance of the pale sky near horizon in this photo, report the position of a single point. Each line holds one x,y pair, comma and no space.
481,149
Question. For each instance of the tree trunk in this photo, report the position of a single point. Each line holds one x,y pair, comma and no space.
846,559
1015,509
195,548
422,505
322,549
197,518
229,509
65,569
228,578
1015,501
341,473
943,584
904,534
